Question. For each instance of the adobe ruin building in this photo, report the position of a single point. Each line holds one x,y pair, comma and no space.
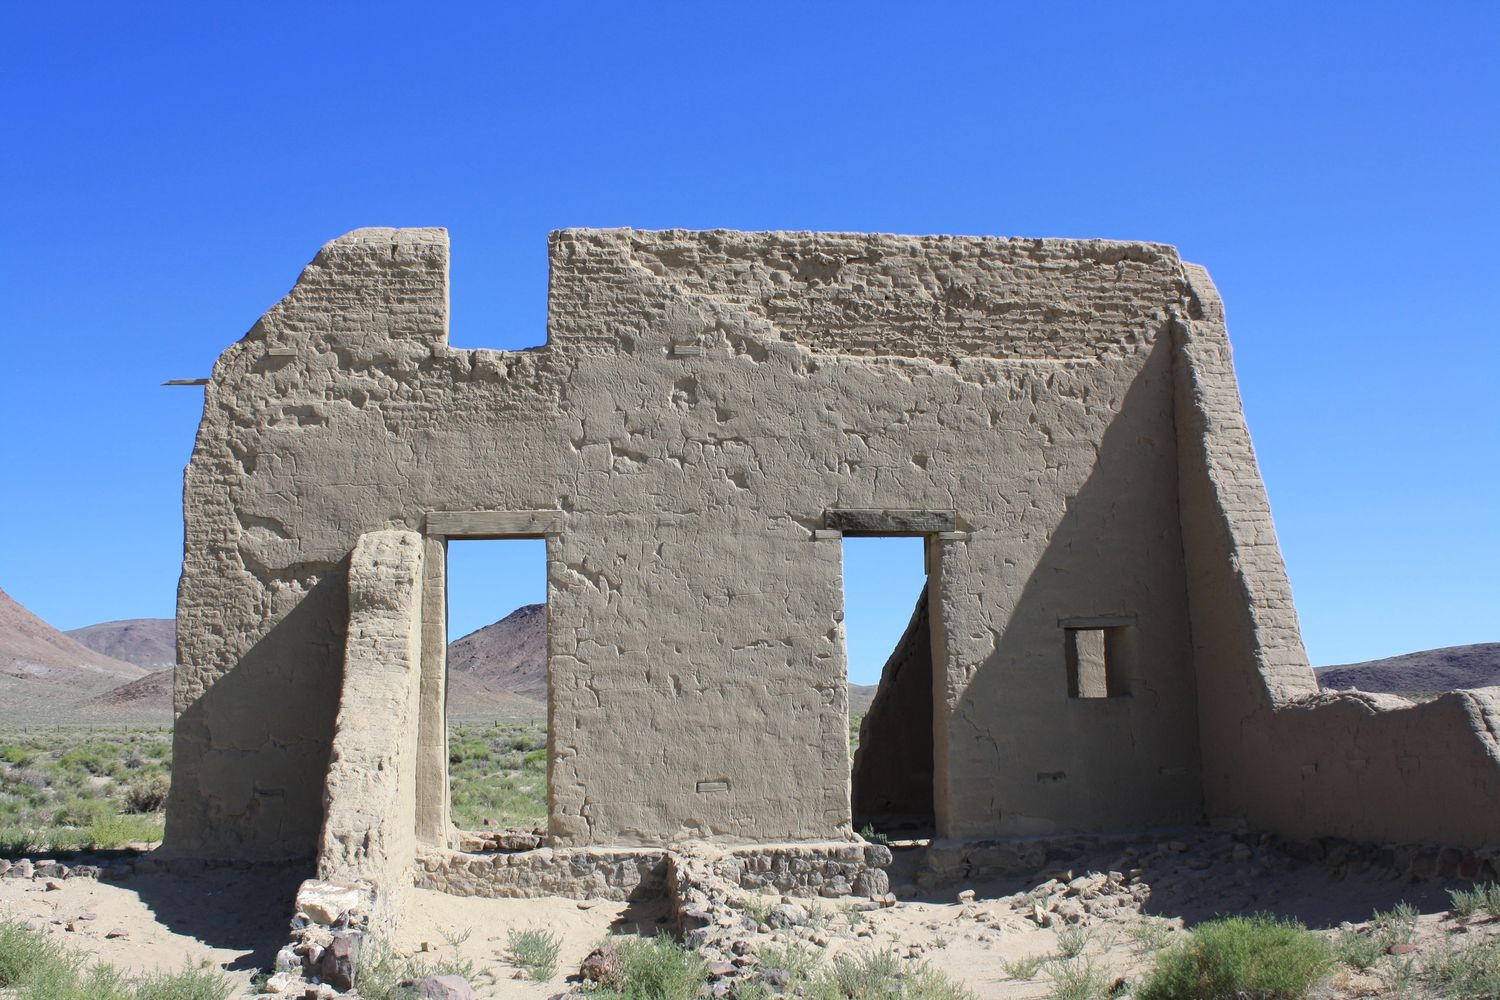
1107,638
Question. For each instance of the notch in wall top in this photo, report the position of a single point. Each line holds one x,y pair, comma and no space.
714,785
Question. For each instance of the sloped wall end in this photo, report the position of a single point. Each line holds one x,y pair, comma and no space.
1276,751
369,824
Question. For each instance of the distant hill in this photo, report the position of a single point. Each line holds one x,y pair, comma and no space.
860,697
510,655
146,642
154,691
43,673
1427,672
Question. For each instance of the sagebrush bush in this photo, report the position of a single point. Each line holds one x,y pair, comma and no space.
148,795
1240,958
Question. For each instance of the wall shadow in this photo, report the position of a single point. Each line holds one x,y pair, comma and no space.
1023,756
891,784
250,756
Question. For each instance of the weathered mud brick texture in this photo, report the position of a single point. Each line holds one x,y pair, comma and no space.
1059,420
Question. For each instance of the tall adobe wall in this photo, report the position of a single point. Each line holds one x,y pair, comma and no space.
709,411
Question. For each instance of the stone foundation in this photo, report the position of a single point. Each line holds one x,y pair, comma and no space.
829,870
579,873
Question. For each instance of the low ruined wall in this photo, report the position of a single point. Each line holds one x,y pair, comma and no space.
1368,768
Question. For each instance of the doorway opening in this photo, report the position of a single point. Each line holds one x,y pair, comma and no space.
889,644
497,691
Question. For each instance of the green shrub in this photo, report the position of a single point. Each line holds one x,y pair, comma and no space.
36,967
17,756
534,951
1240,958
655,969
1358,950
380,972
1398,925
1150,935
1078,979
116,831
1072,940
796,962
1024,968
24,952
926,983
1466,972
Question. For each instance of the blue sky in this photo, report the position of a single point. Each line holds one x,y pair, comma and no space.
166,171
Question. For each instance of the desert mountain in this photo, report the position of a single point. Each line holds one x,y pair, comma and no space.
1427,672
146,642
510,655
43,673
32,650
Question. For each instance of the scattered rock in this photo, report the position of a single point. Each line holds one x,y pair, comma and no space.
1402,949
326,902
52,885
448,987
337,963
279,983
116,933
786,915
967,896
776,979
602,965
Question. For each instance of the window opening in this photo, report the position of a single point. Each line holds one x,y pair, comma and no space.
1096,662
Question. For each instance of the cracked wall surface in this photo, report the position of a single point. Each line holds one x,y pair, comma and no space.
703,401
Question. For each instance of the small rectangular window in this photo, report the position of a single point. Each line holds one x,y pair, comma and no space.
1095,662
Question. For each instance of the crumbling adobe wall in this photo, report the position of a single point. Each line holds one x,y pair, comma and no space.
702,400
702,403
1372,768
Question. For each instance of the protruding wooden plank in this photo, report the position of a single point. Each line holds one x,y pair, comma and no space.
890,522
186,381
493,523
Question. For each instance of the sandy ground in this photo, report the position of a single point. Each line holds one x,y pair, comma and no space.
237,920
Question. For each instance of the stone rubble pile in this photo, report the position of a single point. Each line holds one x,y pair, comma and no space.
46,868
728,906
